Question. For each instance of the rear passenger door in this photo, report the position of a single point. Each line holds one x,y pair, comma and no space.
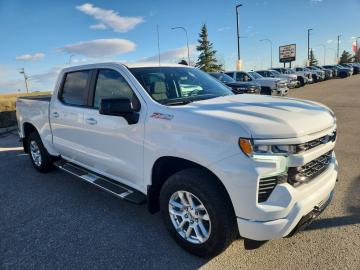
66,114
113,147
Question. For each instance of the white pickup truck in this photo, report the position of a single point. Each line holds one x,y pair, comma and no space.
217,165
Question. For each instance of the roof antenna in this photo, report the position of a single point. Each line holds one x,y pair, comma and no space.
158,42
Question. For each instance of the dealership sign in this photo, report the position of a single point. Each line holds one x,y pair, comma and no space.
287,53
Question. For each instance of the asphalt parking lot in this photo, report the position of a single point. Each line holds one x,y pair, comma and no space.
55,221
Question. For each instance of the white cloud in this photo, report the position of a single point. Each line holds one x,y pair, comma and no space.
30,57
99,26
171,56
329,41
316,1
110,18
100,47
224,28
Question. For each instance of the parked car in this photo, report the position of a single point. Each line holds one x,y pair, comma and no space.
215,164
328,72
268,85
317,73
291,79
304,72
237,87
355,67
301,77
334,69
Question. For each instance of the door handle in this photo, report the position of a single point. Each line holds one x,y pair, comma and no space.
91,121
55,114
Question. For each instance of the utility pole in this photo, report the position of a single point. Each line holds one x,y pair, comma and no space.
271,49
338,47
187,41
308,45
22,71
238,66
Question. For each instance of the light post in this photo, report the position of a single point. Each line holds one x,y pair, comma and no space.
271,49
324,47
238,66
338,48
70,57
22,71
187,41
308,47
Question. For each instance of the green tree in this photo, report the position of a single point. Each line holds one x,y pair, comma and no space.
312,61
207,58
346,57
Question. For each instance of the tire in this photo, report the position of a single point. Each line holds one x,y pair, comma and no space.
39,156
315,80
301,80
265,91
206,190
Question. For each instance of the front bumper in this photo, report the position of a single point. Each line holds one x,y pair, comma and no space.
281,91
293,84
306,199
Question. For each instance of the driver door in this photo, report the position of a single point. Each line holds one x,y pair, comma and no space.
114,147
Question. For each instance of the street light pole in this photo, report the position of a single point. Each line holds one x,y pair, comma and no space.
22,71
324,47
70,57
308,47
238,34
187,41
338,47
271,49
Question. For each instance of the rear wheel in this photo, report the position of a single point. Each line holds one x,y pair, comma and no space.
197,212
40,158
301,81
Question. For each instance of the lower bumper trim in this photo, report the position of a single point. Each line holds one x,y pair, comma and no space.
308,218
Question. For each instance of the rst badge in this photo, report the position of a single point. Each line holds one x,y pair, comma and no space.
163,116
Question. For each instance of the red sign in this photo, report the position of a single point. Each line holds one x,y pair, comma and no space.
354,47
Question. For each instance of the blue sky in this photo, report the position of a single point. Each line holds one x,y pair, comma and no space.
40,35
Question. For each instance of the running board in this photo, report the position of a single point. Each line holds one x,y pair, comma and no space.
114,187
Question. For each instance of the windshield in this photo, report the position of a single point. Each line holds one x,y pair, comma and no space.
178,85
222,77
290,71
276,73
255,75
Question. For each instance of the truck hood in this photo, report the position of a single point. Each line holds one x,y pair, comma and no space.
266,117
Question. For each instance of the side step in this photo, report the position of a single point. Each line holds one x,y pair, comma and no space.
115,188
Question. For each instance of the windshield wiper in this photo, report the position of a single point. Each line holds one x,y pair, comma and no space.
178,102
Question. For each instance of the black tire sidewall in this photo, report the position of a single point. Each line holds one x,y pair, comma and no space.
46,161
221,232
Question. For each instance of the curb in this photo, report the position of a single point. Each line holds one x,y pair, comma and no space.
7,129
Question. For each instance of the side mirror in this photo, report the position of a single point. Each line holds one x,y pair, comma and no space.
119,107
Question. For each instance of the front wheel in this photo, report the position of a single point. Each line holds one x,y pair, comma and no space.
197,212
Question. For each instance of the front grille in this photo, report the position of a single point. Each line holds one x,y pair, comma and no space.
309,171
312,144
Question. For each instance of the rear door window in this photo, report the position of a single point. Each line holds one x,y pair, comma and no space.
75,88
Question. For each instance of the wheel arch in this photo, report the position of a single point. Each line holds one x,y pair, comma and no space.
28,128
166,166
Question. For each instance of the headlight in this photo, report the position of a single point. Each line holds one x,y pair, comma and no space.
250,149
